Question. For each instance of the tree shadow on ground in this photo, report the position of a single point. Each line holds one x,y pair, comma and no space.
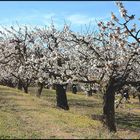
84,103
97,117
123,121
128,121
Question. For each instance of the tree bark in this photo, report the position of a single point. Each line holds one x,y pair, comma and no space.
139,98
54,87
108,109
25,87
61,97
89,93
20,85
74,89
40,88
134,96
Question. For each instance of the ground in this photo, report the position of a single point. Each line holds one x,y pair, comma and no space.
26,116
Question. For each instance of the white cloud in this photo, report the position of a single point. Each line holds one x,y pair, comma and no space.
79,19
36,18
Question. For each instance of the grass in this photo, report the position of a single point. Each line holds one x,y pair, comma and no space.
26,116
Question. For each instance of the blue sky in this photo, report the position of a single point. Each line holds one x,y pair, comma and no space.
77,14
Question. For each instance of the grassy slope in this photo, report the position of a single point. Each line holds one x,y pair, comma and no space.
25,116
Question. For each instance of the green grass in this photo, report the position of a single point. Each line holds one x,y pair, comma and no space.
26,116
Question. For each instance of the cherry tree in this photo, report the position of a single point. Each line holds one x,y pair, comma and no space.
63,62
119,56
112,58
51,62
16,53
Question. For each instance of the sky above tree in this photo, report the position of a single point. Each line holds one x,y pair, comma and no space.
76,14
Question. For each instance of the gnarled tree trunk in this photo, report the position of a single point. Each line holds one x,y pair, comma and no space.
19,85
54,86
40,88
89,93
61,97
139,98
25,87
108,109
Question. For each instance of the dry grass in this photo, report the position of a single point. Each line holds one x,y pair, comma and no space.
26,116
